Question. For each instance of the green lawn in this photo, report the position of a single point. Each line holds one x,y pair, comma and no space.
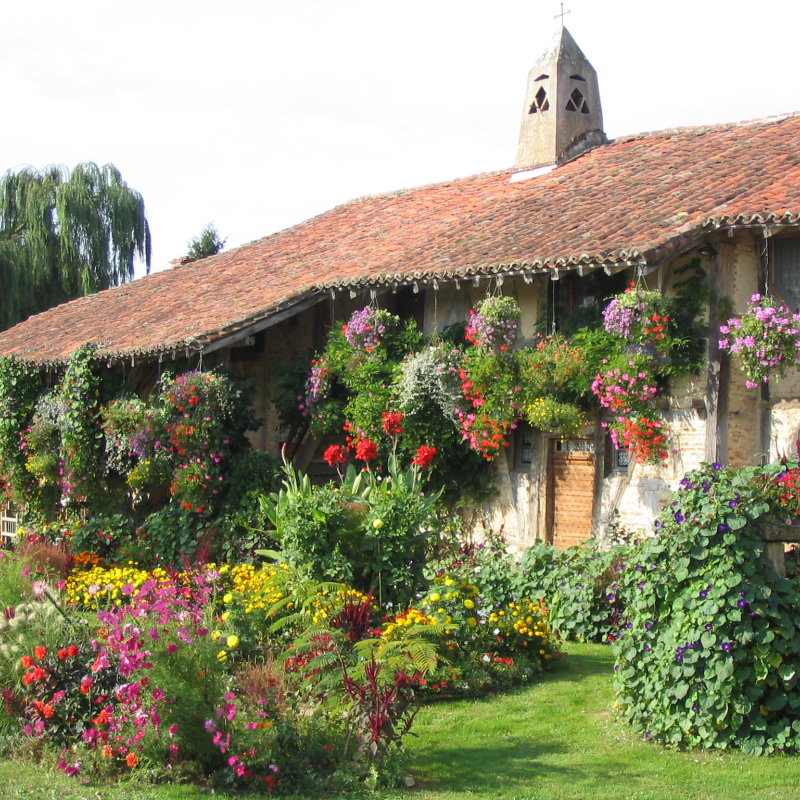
557,740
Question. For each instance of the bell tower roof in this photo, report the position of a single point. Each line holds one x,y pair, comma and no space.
562,116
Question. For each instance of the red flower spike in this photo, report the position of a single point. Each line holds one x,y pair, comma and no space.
366,450
392,423
335,455
424,456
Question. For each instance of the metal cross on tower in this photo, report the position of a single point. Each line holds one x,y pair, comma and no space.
562,14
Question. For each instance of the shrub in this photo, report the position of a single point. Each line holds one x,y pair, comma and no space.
709,652
370,532
579,586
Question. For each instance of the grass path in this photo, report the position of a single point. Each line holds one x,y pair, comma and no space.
556,740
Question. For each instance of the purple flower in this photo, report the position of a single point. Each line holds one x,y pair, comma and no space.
726,646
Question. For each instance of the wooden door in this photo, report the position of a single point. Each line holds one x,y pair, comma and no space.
570,492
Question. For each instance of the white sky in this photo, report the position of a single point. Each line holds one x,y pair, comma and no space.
256,115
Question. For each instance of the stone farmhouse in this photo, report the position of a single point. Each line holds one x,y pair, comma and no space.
573,211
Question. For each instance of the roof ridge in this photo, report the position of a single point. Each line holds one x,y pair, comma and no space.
700,129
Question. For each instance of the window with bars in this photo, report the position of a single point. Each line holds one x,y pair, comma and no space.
575,446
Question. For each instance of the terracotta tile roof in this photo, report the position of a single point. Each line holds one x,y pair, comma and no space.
638,199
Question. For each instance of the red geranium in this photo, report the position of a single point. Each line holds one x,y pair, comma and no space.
366,450
424,456
334,455
392,423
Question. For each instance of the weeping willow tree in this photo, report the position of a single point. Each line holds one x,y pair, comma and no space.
66,234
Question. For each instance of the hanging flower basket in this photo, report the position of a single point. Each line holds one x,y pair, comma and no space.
494,325
641,318
766,339
364,329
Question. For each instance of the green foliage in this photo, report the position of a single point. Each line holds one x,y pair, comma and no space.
687,322
63,235
579,586
167,537
241,521
486,561
208,243
557,368
546,414
369,532
19,390
103,535
84,446
81,446
709,654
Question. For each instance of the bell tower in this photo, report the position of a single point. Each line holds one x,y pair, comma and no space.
562,116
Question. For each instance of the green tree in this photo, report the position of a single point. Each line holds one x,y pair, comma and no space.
66,234
208,243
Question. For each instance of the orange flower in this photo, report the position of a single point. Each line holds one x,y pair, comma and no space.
131,760
40,652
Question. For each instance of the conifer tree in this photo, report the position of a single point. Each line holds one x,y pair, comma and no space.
208,243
